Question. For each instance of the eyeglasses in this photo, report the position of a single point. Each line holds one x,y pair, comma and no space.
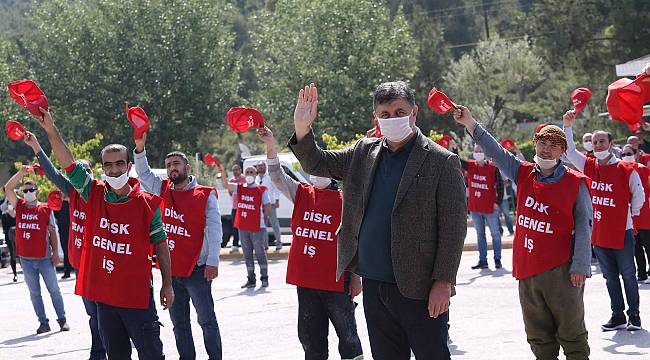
628,154
25,191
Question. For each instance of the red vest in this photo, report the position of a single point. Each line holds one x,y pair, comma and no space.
545,222
642,221
312,256
249,206
183,215
77,223
31,229
610,198
115,267
481,182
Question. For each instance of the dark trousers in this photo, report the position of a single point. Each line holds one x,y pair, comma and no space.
11,246
63,237
398,325
616,264
118,325
642,251
315,309
235,232
554,315
97,350
198,289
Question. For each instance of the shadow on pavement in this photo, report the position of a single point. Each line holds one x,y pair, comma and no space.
486,272
27,338
638,339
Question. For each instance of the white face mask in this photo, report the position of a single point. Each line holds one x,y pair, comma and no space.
629,158
250,179
601,155
395,129
545,164
320,182
30,196
478,156
117,182
588,145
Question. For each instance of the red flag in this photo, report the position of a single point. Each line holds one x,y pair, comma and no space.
625,100
38,169
210,160
579,98
28,95
14,130
439,102
55,200
241,119
507,143
138,119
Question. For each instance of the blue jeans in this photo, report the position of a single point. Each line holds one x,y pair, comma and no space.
97,350
505,210
198,289
31,271
493,224
616,263
119,326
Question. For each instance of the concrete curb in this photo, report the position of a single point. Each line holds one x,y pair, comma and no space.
271,253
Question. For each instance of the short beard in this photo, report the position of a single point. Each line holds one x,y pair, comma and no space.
178,179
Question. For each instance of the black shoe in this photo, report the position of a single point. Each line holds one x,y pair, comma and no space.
480,265
43,328
65,276
497,264
641,278
634,323
615,323
64,325
265,282
15,278
248,284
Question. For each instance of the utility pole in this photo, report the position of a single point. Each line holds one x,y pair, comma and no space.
485,18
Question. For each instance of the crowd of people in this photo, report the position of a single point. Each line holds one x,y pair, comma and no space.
396,233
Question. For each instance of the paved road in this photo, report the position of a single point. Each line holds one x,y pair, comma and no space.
261,324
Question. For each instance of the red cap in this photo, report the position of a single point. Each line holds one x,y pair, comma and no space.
138,119
625,99
210,160
444,141
55,200
539,127
28,95
439,102
38,169
507,143
240,119
579,98
14,130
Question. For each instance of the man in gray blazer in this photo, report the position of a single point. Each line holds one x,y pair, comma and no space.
404,221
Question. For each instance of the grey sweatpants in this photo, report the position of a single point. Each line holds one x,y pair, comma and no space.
274,222
254,241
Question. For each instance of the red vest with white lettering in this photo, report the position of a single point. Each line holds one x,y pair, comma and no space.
312,256
31,229
77,224
249,206
642,221
545,222
610,198
481,182
115,266
183,215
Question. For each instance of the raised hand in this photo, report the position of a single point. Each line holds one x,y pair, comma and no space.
569,118
140,143
463,116
306,110
45,120
266,135
32,141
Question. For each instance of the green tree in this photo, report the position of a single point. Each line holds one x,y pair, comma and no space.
175,59
346,47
